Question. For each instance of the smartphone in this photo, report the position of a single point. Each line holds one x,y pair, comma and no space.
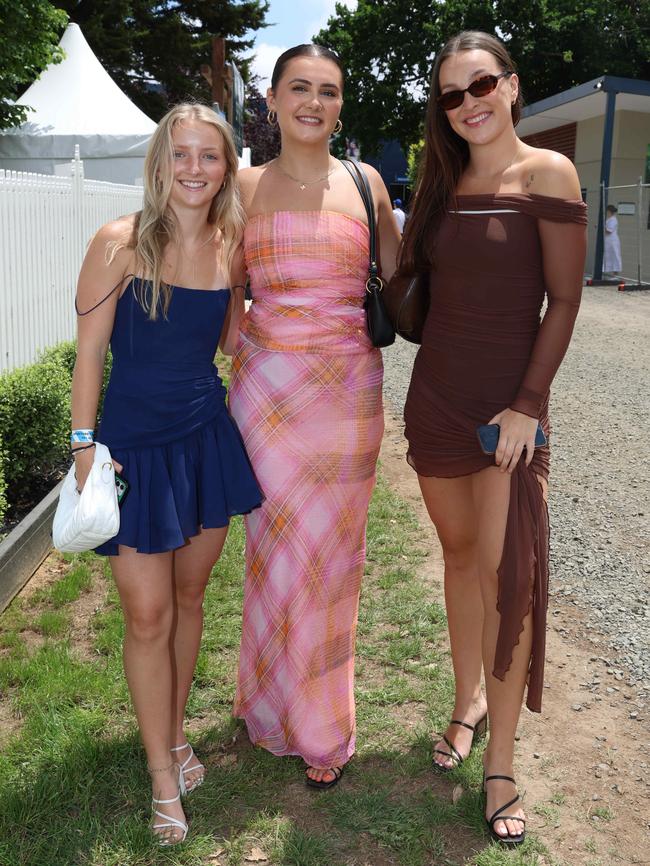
122,487
488,437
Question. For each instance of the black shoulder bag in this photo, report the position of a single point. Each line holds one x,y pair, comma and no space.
380,329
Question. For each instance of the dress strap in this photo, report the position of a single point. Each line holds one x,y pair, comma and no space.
105,298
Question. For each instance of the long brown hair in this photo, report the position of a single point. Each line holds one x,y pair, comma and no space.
445,155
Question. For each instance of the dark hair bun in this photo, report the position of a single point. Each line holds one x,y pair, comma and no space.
307,50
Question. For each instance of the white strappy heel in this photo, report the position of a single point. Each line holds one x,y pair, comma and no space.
185,769
169,823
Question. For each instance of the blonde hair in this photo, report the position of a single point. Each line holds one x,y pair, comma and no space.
156,225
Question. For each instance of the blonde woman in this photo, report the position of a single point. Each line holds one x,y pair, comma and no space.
154,285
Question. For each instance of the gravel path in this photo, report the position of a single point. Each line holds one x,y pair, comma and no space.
600,471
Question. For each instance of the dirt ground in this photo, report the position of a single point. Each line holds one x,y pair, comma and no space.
583,763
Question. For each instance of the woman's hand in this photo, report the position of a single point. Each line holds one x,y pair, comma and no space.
83,463
517,432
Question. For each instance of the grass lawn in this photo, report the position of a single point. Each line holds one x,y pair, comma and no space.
73,784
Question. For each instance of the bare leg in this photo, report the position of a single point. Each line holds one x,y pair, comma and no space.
193,565
492,496
450,504
144,582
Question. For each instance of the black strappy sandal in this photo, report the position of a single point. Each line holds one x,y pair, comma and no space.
508,840
479,730
312,783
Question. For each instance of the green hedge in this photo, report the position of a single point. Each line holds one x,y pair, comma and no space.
3,486
64,354
35,424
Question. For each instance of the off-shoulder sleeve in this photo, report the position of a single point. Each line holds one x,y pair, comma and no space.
563,235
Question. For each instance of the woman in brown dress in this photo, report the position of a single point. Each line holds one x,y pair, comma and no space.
499,226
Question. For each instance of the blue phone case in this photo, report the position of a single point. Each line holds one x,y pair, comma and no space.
488,437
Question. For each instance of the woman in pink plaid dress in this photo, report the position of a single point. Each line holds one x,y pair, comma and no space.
306,395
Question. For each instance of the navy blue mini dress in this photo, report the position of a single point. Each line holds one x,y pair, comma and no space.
165,420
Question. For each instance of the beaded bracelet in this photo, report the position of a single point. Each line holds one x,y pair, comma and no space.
82,436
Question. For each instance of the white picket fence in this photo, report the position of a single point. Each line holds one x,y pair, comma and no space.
46,222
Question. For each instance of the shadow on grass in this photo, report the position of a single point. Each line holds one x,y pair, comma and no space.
89,804
73,785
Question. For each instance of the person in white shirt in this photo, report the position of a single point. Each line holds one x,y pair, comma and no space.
612,263
400,216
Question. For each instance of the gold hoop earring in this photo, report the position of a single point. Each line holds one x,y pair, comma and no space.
272,117
338,126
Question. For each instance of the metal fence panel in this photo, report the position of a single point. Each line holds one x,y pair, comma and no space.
633,204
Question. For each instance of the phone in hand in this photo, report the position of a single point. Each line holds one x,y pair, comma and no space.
488,437
122,487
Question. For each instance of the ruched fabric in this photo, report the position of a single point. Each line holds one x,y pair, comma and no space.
496,258
306,283
165,420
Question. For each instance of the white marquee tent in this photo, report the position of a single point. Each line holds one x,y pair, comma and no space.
77,102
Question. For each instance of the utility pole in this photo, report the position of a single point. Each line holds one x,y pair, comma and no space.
217,75
227,89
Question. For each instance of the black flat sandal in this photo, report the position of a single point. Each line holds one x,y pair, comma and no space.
509,841
479,730
323,786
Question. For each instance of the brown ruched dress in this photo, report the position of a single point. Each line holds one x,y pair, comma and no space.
483,349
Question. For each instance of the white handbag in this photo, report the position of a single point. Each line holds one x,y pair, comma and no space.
87,519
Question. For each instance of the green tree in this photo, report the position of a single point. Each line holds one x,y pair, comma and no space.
413,158
388,48
144,41
262,138
29,42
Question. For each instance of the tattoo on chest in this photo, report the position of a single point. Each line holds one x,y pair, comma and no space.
529,181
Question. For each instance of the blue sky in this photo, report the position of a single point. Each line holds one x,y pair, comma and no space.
289,27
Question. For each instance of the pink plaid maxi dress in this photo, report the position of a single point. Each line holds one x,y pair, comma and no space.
306,395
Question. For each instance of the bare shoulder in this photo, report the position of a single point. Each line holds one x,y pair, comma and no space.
119,230
248,179
376,181
546,172
112,247
250,175
373,175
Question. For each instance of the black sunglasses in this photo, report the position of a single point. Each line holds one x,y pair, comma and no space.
480,87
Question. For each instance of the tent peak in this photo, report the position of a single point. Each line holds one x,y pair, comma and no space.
79,97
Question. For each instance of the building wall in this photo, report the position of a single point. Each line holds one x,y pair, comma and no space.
630,145
629,150
391,165
631,140
561,139
589,146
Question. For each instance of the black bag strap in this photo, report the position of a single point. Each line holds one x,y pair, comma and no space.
105,298
362,183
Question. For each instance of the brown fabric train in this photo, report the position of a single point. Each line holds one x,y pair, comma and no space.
483,349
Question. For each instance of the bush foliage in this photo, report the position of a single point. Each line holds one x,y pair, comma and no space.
35,424
3,486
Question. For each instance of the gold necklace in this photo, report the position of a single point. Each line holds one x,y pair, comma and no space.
303,184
